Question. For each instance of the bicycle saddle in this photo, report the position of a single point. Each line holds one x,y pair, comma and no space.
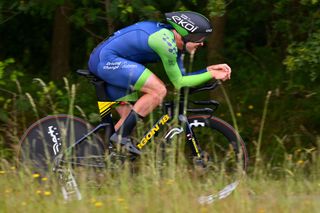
85,73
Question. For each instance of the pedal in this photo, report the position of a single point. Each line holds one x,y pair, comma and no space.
132,149
126,143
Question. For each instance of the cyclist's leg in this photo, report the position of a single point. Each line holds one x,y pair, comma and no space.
124,76
123,111
153,91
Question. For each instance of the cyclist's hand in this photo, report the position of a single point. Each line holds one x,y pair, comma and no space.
220,71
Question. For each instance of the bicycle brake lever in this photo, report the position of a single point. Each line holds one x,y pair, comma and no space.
207,102
210,86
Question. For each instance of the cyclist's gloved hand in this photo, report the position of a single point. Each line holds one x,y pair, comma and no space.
220,71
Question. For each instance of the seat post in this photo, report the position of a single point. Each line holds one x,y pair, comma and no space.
104,104
100,86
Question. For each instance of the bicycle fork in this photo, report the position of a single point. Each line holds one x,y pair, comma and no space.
191,139
70,189
67,181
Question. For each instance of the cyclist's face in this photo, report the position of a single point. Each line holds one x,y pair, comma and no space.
190,46
193,46
179,41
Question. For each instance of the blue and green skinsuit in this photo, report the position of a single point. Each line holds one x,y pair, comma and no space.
118,60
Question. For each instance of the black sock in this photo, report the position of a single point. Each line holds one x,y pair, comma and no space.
129,123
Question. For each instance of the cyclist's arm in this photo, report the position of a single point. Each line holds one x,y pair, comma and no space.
162,42
183,70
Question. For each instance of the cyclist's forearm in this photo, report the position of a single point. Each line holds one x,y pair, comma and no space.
190,80
197,72
178,80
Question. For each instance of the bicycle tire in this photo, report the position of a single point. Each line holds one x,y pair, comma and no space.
47,137
220,126
217,138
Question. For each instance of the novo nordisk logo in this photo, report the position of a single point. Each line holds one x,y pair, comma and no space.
53,133
185,23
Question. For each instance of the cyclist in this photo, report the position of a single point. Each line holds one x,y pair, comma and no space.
119,62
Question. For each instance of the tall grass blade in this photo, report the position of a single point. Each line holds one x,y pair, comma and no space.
264,115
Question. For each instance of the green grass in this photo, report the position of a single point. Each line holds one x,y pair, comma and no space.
147,191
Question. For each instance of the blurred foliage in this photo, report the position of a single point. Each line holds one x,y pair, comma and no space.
217,7
304,57
6,74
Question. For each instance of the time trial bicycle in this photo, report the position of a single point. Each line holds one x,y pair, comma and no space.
61,143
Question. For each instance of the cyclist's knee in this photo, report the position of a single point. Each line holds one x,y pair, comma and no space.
159,93
162,91
156,88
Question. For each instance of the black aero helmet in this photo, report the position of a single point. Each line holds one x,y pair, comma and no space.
192,26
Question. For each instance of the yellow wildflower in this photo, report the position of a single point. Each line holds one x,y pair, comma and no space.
2,172
47,193
300,162
44,179
98,204
250,107
170,182
239,114
36,175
